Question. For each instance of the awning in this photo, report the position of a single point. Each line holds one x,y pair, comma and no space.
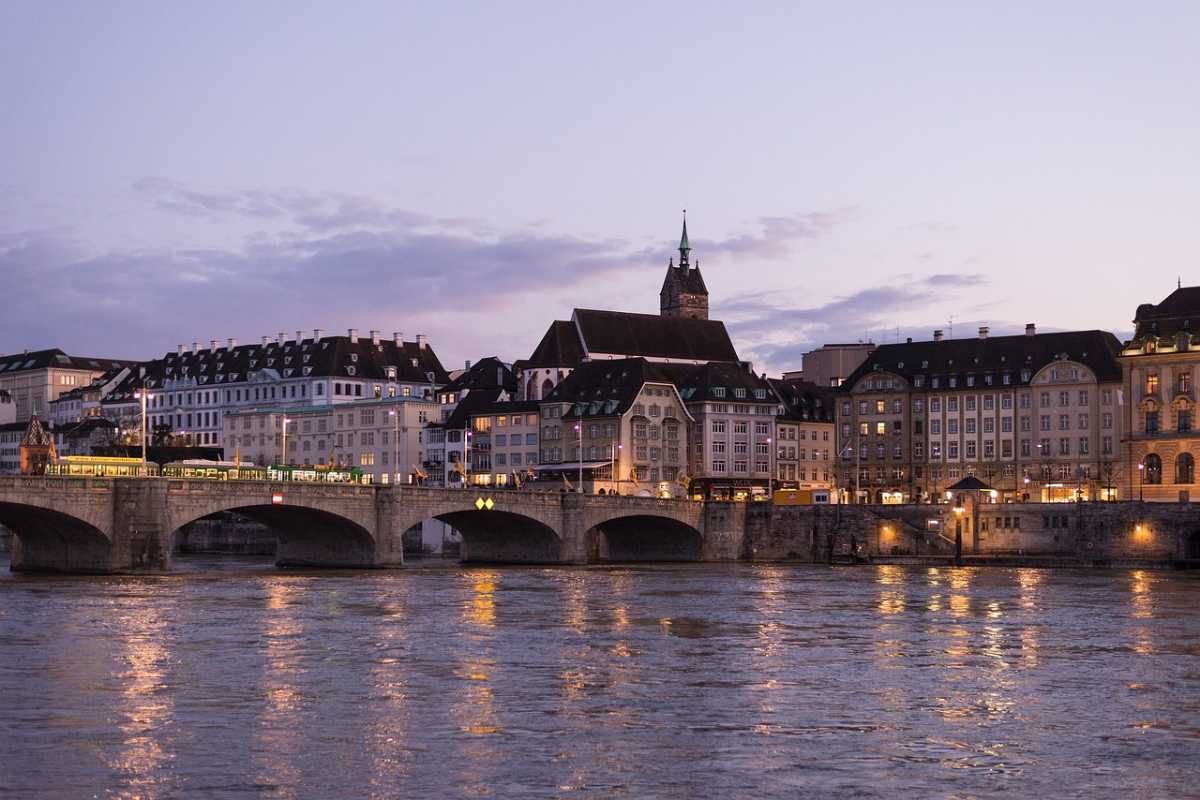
571,465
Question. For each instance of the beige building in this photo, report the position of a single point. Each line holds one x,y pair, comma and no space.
381,437
830,364
1160,365
622,424
1037,416
35,380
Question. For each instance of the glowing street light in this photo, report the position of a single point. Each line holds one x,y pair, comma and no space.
395,444
143,395
283,460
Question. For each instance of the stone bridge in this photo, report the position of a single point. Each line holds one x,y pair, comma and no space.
112,525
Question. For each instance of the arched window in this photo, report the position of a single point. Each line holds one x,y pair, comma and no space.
1153,469
1185,468
547,388
531,389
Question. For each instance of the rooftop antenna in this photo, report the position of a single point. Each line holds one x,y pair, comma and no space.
951,326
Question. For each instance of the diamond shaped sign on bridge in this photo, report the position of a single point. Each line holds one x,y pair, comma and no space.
488,504
479,503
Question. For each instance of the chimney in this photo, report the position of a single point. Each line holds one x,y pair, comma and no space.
398,339
299,337
983,331
195,347
908,340
318,334
266,340
179,350
353,334
282,338
937,336
212,345
422,340
467,364
232,343
1030,329
499,376
374,337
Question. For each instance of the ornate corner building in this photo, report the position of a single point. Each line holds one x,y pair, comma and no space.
1159,366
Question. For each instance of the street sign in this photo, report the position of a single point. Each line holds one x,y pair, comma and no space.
482,504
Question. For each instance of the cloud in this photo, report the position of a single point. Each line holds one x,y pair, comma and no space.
301,259
777,336
777,236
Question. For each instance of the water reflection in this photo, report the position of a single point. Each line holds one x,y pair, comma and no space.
688,681
146,700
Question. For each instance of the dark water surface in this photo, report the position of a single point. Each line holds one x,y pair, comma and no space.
234,680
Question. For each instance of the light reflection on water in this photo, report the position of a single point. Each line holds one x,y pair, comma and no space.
674,681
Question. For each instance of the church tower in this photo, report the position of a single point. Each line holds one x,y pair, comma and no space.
683,291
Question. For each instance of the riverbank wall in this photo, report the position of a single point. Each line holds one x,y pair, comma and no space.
1045,533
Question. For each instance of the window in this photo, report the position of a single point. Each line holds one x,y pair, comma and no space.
1185,468
1151,422
1064,446
935,427
1152,469
718,465
880,428
718,426
1184,380
1083,445
1045,422
1152,383
1064,422
935,405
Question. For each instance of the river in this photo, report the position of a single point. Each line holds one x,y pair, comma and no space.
232,679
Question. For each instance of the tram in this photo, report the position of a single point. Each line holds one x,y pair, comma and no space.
103,467
214,470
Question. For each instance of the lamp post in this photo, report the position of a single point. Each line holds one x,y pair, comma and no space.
283,460
1142,481
770,471
143,395
579,430
613,447
395,444
958,517
466,456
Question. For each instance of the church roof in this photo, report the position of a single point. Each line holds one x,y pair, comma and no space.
1179,311
685,281
653,336
560,347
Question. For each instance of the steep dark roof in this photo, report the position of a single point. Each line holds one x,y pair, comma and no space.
469,406
653,336
560,347
804,401
608,388
688,281
43,359
995,356
505,407
332,356
969,484
486,373
731,383
1179,311
87,426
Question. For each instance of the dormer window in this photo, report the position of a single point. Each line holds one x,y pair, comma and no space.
391,373
354,358
351,370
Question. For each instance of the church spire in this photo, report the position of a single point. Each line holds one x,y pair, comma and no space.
683,244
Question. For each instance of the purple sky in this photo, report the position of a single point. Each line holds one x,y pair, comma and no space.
175,172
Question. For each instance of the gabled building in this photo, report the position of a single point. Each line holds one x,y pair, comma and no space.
1160,365
448,440
620,426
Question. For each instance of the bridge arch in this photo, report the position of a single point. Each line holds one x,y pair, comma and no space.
514,528
51,540
644,536
311,530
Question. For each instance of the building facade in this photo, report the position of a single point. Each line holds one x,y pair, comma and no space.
384,438
805,436
1037,416
1160,365
191,390
34,380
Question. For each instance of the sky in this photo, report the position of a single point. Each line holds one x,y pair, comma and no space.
181,172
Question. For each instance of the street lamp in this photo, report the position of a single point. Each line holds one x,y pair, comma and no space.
395,444
283,460
143,395
1142,481
467,436
770,472
579,430
613,447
